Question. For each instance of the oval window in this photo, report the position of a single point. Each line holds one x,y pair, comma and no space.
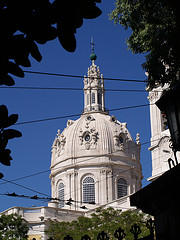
87,137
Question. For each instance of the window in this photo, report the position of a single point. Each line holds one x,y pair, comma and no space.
93,97
61,194
164,121
99,98
87,99
87,138
121,188
120,140
88,187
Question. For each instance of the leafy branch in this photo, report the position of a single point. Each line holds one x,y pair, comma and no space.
6,134
23,25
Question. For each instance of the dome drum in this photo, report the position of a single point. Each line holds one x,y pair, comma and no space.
102,181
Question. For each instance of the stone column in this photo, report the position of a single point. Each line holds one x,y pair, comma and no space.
109,185
103,186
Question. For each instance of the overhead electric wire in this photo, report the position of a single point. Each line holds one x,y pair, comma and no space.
80,76
90,158
76,115
72,89
69,200
27,188
35,197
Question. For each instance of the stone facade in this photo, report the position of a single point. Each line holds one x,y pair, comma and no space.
160,136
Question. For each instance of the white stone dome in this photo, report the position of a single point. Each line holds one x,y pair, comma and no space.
94,135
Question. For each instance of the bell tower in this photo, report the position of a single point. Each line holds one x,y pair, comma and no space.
94,87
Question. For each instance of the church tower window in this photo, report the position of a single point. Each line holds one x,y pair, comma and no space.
61,194
93,97
121,188
99,98
88,187
87,99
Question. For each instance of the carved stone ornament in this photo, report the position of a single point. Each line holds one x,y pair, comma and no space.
118,140
58,144
138,139
153,96
69,123
88,138
113,119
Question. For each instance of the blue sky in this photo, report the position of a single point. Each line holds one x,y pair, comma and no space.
32,152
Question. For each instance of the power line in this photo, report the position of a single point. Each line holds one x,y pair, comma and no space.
72,89
48,197
38,173
27,188
79,76
68,202
76,115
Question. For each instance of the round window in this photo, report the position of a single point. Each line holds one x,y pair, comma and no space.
89,118
87,137
113,119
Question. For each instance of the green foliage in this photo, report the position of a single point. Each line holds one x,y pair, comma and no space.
155,28
6,134
25,23
13,227
107,220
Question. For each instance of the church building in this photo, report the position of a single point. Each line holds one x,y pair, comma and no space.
94,159
160,148
95,162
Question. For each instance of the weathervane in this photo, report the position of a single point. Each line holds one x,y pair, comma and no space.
92,44
93,56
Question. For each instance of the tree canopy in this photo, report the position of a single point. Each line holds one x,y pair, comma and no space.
155,26
24,25
13,227
107,220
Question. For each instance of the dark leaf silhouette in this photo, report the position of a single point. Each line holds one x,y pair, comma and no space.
5,157
22,25
67,39
15,69
12,119
37,21
91,12
5,120
3,142
7,80
34,51
11,133
6,134
1,175
3,115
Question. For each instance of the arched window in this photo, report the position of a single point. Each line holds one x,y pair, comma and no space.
121,188
88,187
93,97
61,194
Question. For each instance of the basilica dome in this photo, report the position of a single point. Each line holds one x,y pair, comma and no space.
91,137
94,159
